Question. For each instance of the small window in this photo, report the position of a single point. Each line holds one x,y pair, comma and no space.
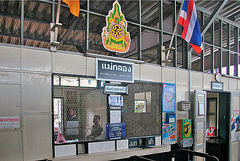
69,81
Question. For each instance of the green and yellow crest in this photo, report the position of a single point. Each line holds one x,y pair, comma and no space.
115,36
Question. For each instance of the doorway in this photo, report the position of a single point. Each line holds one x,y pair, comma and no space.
217,127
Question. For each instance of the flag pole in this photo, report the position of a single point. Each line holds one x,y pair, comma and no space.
57,19
174,31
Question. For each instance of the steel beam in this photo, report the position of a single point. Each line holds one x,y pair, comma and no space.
213,16
70,29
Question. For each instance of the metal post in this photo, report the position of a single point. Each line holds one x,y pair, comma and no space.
203,39
22,23
212,57
87,28
175,38
57,19
161,31
228,47
140,31
221,51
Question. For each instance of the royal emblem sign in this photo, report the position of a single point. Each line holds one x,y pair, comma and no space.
114,35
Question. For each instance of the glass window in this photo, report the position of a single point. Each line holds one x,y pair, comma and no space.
150,13
233,58
179,27
239,42
134,47
166,42
217,32
200,18
225,35
208,35
196,61
102,7
72,33
225,62
216,60
150,46
80,113
95,40
238,66
37,19
207,58
129,8
10,26
179,52
83,4
168,14
232,37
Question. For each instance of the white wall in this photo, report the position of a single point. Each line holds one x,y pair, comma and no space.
25,91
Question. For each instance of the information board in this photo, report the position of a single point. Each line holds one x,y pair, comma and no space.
116,130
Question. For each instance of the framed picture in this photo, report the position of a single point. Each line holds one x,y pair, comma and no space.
140,106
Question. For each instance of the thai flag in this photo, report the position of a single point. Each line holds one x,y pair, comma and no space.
191,30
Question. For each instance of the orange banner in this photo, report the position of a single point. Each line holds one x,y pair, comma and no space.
74,6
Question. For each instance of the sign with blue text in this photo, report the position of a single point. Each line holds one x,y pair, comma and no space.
110,88
109,70
116,130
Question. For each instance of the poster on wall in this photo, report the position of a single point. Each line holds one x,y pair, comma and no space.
140,106
9,122
168,97
168,133
235,127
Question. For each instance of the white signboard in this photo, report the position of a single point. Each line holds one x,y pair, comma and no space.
9,122
115,101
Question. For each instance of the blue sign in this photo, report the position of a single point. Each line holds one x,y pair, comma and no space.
168,98
116,130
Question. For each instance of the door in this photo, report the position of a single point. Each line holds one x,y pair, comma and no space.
199,123
234,128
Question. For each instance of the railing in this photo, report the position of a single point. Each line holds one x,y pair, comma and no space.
137,158
190,152
173,152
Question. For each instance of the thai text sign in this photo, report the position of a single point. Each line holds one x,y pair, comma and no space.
116,130
9,122
114,71
217,86
115,88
